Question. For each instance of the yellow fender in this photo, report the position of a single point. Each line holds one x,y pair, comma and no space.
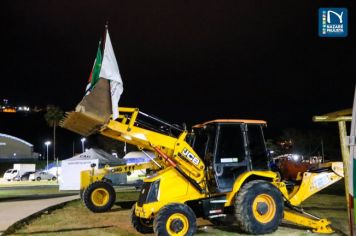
243,177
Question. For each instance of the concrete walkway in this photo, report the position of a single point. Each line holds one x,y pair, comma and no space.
13,211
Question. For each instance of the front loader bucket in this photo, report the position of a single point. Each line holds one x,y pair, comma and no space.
92,112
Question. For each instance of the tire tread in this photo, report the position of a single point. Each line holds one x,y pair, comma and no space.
135,222
159,222
244,220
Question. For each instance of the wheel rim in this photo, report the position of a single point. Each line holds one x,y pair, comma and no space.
177,224
100,197
264,208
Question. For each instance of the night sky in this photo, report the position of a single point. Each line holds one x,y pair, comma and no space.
183,61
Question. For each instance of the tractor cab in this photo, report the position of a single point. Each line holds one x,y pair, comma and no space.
230,148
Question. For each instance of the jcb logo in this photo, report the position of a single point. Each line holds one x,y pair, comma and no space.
191,157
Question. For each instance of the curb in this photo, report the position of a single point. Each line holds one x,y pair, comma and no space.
12,228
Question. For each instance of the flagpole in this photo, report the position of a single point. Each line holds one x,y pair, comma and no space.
105,33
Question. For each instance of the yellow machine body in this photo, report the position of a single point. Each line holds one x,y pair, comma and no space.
171,182
176,189
182,192
182,174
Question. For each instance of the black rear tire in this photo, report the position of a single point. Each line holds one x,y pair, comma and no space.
258,207
181,218
143,226
38,178
99,197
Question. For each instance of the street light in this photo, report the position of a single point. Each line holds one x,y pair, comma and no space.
47,143
83,140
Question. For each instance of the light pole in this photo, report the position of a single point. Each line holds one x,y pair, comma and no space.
83,140
47,143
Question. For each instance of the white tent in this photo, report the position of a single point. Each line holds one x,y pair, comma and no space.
71,168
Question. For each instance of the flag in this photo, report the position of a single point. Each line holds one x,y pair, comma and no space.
110,71
94,74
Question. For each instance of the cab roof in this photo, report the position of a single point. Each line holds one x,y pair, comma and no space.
244,121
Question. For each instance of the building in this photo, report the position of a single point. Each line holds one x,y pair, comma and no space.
13,148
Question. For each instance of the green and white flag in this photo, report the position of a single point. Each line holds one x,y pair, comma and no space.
110,71
94,74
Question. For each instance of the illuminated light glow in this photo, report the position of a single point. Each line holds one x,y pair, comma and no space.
295,157
9,110
16,139
127,137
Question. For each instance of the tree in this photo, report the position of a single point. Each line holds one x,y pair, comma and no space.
273,146
308,142
53,115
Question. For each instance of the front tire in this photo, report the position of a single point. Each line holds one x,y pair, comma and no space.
258,207
175,219
38,178
143,226
99,197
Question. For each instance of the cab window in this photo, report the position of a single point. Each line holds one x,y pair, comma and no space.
230,144
257,147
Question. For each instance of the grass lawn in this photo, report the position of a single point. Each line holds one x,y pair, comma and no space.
75,219
4,184
15,193
32,189
26,192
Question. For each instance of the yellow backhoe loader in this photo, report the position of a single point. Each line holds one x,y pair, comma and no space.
219,171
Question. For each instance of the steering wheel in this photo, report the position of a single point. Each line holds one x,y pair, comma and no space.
219,170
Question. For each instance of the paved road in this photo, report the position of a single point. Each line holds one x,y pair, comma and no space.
13,211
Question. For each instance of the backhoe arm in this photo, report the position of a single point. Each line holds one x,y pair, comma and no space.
127,128
312,182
